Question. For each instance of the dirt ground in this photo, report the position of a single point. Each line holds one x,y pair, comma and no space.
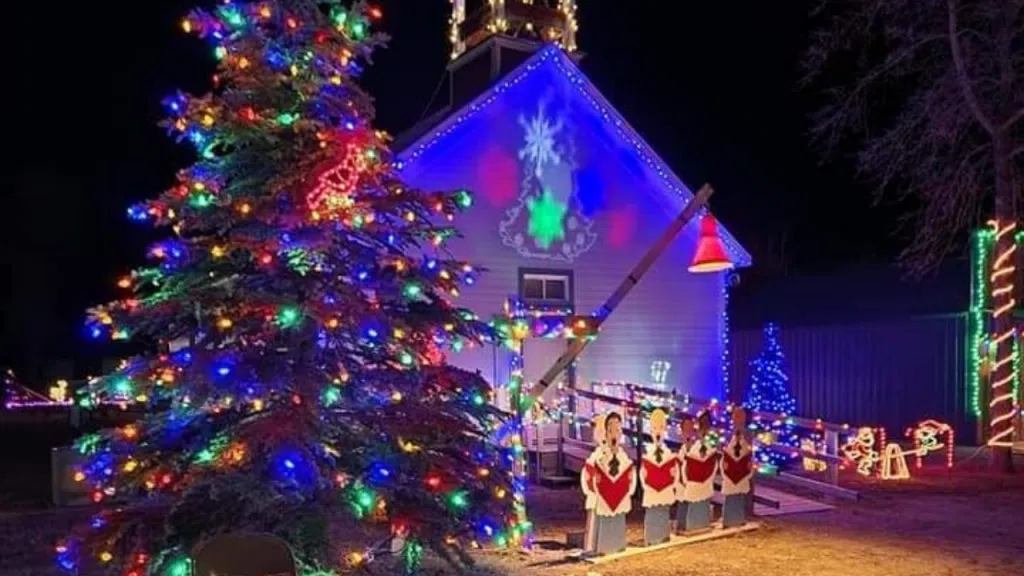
968,523
935,528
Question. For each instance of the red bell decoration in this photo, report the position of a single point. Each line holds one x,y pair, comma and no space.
710,255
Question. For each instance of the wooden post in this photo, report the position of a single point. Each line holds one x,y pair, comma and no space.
638,435
832,449
538,436
570,373
750,498
560,458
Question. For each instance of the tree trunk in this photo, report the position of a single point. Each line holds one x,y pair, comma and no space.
1000,411
1001,401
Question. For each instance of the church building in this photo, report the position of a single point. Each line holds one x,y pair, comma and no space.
568,197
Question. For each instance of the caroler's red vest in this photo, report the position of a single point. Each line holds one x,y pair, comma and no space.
659,476
737,466
701,465
613,492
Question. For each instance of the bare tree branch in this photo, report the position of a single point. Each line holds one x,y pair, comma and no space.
1012,120
923,96
961,68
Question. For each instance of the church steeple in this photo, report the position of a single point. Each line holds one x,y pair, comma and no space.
546,20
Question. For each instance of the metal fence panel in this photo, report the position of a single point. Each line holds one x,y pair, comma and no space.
890,373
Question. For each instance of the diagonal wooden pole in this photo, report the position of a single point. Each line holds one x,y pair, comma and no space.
578,345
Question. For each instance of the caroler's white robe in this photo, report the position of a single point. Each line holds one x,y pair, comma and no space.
614,499
588,479
588,476
700,472
659,473
737,471
701,466
737,466
681,475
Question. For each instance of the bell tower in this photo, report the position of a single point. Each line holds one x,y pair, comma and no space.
489,39
473,22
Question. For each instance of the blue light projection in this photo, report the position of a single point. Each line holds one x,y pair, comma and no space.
555,108
550,161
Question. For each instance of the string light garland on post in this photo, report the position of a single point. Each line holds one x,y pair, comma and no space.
979,362
455,22
977,319
519,322
571,26
1002,373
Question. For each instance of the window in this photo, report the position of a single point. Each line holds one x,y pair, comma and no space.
545,286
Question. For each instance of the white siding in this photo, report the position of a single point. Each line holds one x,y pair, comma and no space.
671,315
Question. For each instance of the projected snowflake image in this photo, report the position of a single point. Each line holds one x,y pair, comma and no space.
540,140
547,221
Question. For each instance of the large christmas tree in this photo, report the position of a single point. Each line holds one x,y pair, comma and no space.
768,391
299,312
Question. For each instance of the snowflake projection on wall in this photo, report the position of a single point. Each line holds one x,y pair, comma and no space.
540,140
547,221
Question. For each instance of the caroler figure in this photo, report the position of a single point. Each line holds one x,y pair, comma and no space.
615,482
701,465
737,470
686,433
587,482
658,476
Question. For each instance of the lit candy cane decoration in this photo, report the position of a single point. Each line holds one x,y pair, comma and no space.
926,440
1000,406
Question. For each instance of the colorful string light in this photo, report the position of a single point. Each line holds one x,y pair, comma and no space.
301,310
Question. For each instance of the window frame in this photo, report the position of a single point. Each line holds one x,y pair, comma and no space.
546,275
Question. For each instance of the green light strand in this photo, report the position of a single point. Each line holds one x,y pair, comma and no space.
976,318
1018,375
982,245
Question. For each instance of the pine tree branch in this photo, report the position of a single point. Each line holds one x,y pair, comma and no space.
961,69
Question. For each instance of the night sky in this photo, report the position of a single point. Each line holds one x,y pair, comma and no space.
711,85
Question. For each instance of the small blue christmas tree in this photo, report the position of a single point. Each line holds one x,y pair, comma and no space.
768,391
